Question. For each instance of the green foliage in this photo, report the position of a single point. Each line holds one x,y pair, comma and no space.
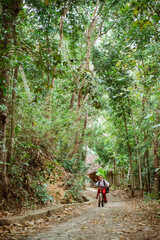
149,196
102,172
82,80
74,189
74,165
42,194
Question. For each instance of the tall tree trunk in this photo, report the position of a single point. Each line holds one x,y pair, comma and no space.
4,83
145,97
140,173
148,170
138,151
129,151
12,112
3,167
145,177
114,178
156,165
79,139
12,132
9,11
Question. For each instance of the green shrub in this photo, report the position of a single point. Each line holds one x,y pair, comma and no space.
42,193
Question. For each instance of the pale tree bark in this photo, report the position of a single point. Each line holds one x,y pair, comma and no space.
12,112
25,83
145,177
64,13
27,89
83,69
89,33
52,70
89,44
128,174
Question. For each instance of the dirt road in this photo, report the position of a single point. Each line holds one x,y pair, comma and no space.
117,220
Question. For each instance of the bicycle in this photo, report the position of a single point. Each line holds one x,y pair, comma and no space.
100,198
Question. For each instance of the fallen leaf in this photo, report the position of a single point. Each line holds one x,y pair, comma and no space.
83,227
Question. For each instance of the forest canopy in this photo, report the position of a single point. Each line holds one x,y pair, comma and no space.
76,75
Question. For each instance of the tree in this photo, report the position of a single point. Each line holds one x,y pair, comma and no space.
9,12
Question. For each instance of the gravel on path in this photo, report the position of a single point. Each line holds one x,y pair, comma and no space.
117,220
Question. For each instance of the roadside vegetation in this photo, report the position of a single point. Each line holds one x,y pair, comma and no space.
77,74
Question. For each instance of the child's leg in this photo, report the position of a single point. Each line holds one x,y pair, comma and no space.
98,192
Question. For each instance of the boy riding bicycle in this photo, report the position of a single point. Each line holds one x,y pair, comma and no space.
102,184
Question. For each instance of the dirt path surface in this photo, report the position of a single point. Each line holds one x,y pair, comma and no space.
117,220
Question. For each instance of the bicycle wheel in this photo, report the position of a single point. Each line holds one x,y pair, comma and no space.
102,202
99,199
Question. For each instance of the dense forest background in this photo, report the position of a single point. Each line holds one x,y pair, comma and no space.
78,74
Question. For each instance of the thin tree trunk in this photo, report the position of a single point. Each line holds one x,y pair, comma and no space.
85,155
3,167
72,101
11,140
114,173
156,166
129,151
138,151
148,170
12,112
79,140
145,177
144,104
140,173
89,34
128,174
62,19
